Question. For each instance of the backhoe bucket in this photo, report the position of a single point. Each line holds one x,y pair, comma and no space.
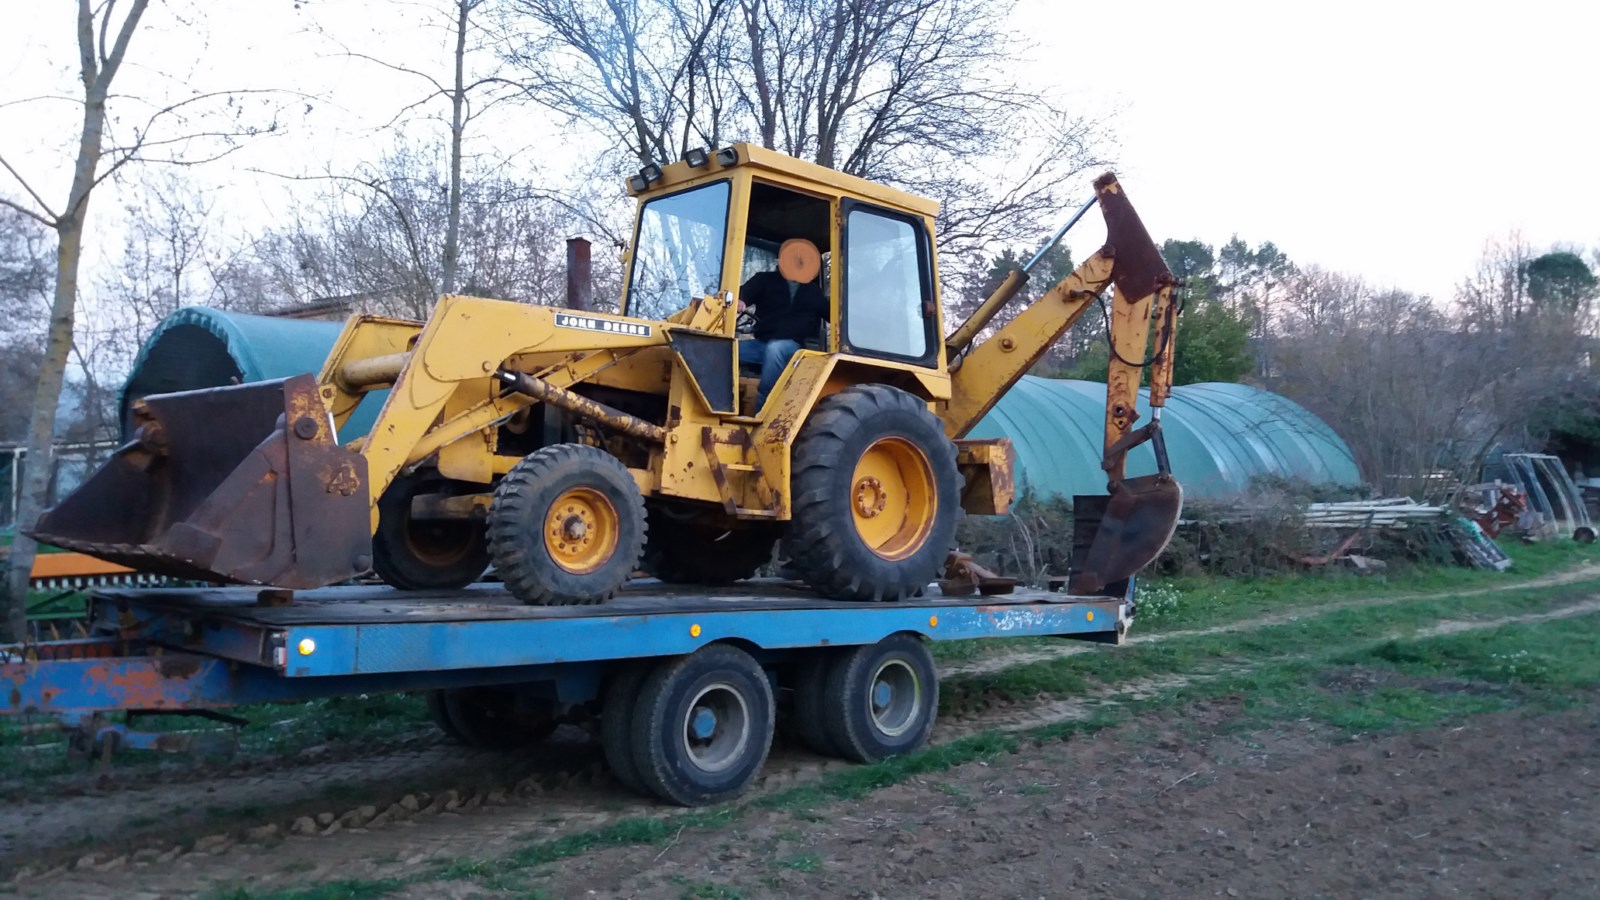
1138,520
237,484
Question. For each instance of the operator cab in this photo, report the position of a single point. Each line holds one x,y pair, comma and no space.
708,229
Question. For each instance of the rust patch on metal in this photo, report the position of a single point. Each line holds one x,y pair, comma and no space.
242,484
582,406
168,667
708,445
1139,269
988,470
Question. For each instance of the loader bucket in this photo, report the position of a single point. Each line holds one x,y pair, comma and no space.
235,484
1137,522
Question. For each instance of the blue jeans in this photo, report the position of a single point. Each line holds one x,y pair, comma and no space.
773,357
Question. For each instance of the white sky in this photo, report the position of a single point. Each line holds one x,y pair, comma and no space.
1389,140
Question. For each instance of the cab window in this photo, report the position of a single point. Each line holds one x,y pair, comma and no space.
885,291
677,255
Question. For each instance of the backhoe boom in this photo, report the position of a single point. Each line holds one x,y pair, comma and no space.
1141,512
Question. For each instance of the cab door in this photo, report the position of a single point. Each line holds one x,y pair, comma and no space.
888,306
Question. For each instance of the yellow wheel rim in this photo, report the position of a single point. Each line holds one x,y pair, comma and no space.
893,498
581,530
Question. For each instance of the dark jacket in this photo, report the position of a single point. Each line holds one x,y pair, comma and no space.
779,316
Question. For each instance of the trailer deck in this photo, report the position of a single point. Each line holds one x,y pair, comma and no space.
486,657
188,648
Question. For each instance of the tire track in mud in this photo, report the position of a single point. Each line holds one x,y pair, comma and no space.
990,664
492,831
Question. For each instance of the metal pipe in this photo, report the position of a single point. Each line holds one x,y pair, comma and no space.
581,406
374,370
962,337
1060,233
580,284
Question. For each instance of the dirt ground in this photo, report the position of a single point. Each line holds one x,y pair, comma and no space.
1192,802
1501,806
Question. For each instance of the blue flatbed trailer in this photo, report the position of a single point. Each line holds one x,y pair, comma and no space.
857,676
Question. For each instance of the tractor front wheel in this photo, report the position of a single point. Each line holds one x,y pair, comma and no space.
876,495
567,526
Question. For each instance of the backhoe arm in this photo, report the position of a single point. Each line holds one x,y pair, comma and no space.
1141,513
1130,260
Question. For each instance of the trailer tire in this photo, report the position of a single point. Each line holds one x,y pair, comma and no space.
567,526
440,713
616,724
693,552
811,711
875,496
488,719
702,726
882,698
425,556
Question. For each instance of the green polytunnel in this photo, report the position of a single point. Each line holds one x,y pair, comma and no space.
1220,437
199,347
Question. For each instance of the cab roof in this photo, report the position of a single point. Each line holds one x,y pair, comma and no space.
795,172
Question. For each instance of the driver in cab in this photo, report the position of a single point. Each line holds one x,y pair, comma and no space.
789,308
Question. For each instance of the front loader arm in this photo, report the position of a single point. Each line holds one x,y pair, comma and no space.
468,341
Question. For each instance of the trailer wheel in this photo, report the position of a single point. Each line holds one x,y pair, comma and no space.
489,719
440,713
425,556
616,724
811,710
876,495
882,698
567,526
702,726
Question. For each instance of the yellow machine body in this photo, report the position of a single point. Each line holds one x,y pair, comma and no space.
657,386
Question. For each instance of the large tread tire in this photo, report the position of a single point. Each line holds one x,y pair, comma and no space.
811,713
488,719
616,724
823,543
681,552
425,556
523,504
881,698
680,768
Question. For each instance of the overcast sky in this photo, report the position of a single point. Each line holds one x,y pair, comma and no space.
1389,140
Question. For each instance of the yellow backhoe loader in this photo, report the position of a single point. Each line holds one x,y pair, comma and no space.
569,449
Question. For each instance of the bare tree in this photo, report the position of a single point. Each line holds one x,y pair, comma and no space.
26,276
1496,294
907,92
1415,390
178,131
364,237
471,90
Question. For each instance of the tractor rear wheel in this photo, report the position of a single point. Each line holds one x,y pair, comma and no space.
567,526
425,556
876,495
694,552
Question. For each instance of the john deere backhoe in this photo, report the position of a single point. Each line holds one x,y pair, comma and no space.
569,449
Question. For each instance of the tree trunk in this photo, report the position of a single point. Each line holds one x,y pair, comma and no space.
458,100
97,72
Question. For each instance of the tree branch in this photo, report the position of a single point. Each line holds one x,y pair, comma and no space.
31,193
